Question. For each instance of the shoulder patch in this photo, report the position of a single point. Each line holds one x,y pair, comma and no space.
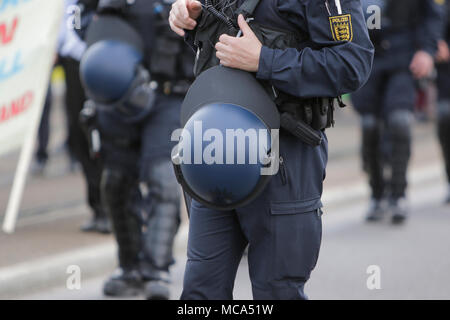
341,27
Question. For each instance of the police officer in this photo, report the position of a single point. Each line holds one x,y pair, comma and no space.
71,49
310,49
41,155
139,189
405,42
443,86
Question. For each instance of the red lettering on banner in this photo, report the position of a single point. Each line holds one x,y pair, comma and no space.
6,35
16,107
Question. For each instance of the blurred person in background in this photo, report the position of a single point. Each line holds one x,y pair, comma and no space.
41,155
443,86
405,44
71,49
130,43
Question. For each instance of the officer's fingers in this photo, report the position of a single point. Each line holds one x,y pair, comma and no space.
220,55
421,69
424,65
243,25
195,8
182,23
181,16
224,58
225,62
188,24
421,73
443,54
226,39
415,69
416,74
180,9
175,29
178,31
415,64
174,25
221,47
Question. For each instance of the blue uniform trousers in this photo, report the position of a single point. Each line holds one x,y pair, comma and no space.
282,227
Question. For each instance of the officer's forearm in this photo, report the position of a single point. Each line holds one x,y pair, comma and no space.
328,72
428,42
431,31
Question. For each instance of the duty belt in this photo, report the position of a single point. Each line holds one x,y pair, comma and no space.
177,87
306,118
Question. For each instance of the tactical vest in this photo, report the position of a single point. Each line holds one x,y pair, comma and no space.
168,57
216,21
171,58
220,18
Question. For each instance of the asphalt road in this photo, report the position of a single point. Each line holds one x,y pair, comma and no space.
413,259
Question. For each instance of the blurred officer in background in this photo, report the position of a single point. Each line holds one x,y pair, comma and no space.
443,86
405,44
71,50
41,155
129,43
303,51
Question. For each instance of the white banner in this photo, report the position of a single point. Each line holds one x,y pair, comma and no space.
28,35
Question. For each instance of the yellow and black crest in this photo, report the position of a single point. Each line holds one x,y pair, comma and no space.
341,27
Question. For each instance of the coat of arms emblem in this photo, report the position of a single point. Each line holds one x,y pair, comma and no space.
341,27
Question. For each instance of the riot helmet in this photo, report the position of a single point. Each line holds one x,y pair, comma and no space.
227,140
112,70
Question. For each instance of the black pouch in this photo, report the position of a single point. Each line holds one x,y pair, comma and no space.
275,38
321,113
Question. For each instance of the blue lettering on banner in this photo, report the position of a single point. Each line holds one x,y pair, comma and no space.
10,66
5,4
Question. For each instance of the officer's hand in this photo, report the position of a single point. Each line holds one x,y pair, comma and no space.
183,15
422,64
443,54
240,53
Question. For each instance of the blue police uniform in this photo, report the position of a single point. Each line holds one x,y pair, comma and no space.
139,188
133,146
395,47
387,99
282,226
149,135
